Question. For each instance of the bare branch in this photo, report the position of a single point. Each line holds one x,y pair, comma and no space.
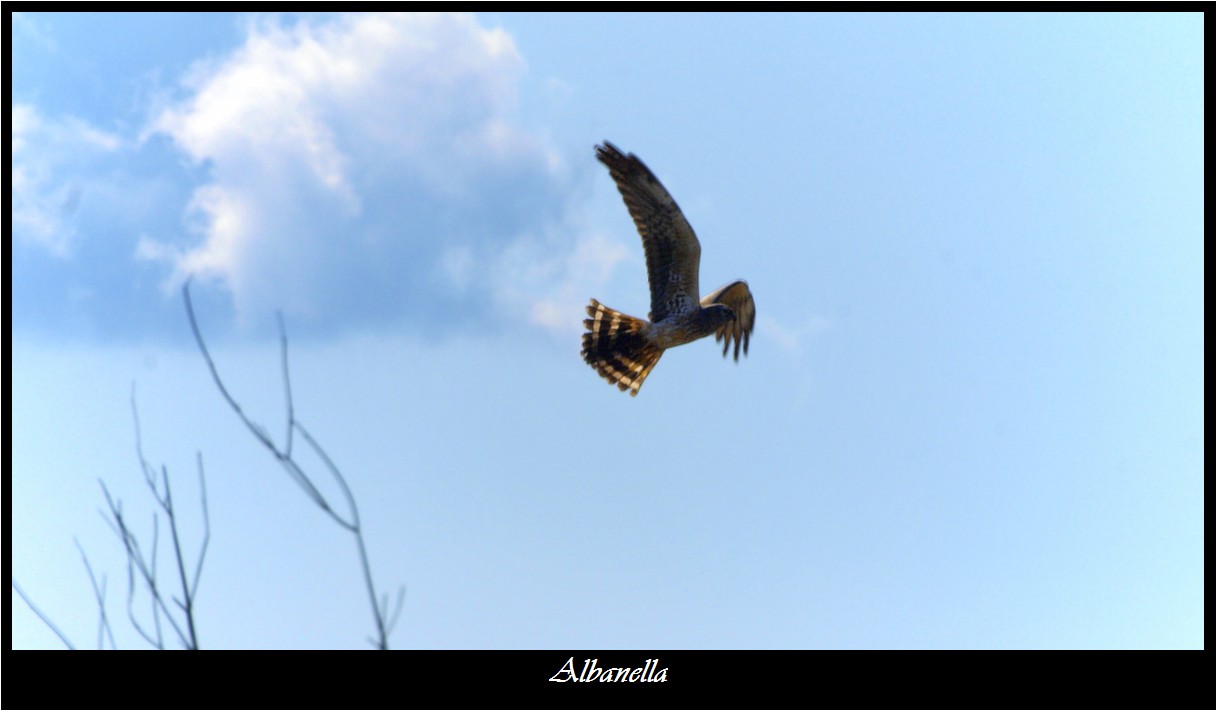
380,610
260,433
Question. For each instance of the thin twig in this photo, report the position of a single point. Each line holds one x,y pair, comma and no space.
147,567
353,525
187,603
397,611
103,626
42,615
211,366
115,522
287,382
206,527
355,528
147,571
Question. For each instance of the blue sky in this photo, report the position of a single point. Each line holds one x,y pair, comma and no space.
971,416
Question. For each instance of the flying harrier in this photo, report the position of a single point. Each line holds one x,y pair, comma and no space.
623,349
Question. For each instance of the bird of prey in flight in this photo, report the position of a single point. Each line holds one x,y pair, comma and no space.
624,349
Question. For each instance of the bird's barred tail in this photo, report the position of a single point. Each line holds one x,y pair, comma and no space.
616,347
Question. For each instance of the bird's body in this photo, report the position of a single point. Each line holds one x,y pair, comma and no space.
624,349
690,325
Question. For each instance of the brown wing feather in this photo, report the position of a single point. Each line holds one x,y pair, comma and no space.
669,242
737,296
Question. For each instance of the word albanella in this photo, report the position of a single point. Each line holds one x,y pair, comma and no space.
591,672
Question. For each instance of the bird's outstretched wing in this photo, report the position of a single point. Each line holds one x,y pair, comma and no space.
737,296
669,242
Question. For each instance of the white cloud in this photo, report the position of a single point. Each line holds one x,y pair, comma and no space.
53,161
370,166
35,30
551,290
